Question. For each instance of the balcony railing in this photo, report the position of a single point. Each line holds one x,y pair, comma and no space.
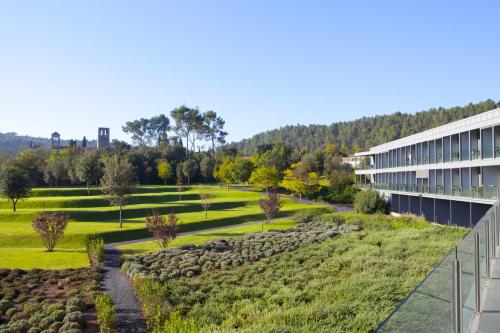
479,192
447,299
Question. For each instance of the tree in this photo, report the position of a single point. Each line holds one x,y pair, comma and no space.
224,171
165,171
158,129
118,181
88,168
266,177
270,205
241,169
84,142
189,169
214,128
163,228
178,187
206,199
54,169
137,130
370,202
188,124
50,227
207,167
300,180
14,184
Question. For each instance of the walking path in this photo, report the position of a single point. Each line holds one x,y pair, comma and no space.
128,311
489,319
129,318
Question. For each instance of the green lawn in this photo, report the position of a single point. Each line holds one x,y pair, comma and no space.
20,246
199,238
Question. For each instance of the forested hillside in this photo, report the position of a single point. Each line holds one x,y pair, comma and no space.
11,143
362,133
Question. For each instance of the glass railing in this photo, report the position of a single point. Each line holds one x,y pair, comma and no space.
430,306
497,151
480,192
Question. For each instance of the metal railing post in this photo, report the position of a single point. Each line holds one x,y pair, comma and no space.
493,235
457,296
487,245
477,273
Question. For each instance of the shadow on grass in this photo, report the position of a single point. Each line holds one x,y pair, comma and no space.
80,191
99,202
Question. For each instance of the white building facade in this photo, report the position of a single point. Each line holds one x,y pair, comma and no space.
449,174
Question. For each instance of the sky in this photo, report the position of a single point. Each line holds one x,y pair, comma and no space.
72,66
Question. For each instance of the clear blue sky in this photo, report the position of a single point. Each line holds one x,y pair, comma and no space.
72,66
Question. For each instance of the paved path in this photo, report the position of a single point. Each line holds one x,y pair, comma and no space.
128,311
489,319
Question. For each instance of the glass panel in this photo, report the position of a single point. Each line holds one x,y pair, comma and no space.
487,142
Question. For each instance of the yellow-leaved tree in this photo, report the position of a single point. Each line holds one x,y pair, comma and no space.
299,180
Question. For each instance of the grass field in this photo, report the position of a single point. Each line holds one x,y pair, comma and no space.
345,284
20,246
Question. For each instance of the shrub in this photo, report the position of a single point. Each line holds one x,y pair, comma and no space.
163,229
370,202
50,227
105,313
95,249
308,215
176,324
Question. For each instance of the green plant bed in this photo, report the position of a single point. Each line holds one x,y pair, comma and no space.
344,284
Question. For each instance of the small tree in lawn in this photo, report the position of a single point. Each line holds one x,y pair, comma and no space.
270,205
50,227
206,199
163,228
178,187
266,177
14,184
88,168
165,171
118,181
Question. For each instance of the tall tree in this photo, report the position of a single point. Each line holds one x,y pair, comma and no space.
14,184
158,129
214,128
207,167
88,168
188,124
118,181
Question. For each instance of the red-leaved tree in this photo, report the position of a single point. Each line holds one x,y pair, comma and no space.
163,228
270,205
50,227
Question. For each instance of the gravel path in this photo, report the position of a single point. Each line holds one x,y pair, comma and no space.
128,311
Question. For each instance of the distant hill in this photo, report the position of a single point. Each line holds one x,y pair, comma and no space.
365,132
11,143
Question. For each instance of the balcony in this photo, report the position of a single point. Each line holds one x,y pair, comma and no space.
476,192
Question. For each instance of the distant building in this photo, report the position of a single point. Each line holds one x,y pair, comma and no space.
103,138
55,140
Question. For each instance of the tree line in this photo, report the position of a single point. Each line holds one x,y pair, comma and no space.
362,133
